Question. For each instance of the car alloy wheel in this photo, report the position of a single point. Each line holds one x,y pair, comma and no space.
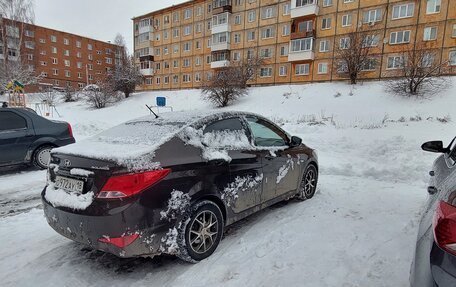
308,184
200,231
203,232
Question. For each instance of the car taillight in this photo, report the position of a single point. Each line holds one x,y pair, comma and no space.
126,185
445,227
70,130
120,242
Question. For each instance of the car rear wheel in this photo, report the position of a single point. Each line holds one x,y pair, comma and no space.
308,184
41,156
202,233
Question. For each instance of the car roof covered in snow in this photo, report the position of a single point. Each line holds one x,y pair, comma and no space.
138,137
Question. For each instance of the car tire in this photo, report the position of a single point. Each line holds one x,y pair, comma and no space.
308,184
200,232
41,156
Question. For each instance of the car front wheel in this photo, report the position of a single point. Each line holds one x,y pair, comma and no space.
200,232
308,184
42,156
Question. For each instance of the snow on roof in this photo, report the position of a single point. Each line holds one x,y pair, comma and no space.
132,140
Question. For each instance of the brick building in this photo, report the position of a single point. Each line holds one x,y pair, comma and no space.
63,59
177,47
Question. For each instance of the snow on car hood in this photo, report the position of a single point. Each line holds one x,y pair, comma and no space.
133,143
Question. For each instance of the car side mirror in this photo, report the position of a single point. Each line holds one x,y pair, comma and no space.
434,146
295,141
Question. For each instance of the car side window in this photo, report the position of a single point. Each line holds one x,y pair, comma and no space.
265,134
11,121
233,124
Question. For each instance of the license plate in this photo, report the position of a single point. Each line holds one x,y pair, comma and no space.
69,184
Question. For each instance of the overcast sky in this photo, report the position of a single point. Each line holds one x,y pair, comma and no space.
99,19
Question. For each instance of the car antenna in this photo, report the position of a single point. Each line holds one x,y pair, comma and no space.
150,109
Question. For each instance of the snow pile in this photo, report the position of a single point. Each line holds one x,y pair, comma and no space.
240,185
215,145
59,197
177,205
80,172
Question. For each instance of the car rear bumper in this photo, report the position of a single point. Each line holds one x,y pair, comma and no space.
443,267
88,229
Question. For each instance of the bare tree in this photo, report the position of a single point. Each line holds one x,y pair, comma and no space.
100,95
125,77
230,83
422,73
15,17
354,52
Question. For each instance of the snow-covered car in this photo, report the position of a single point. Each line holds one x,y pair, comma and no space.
27,138
172,184
435,256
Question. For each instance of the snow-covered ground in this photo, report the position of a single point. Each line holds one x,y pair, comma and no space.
359,230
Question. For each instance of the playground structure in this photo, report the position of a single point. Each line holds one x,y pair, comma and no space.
16,95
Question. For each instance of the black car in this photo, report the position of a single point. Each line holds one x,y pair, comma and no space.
435,257
172,184
27,138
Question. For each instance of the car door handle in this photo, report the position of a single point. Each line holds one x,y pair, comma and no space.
217,162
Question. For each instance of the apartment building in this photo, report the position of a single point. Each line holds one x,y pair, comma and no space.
179,46
62,59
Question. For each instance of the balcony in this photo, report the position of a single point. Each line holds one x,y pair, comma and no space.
147,72
305,34
220,47
301,50
221,41
220,64
301,8
221,23
145,29
220,6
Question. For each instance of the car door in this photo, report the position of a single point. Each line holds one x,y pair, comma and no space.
245,170
279,162
16,134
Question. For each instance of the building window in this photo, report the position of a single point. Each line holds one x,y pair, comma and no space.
187,14
370,41
346,20
452,58
453,34
344,43
29,33
236,56
186,78
348,1
53,39
285,30
66,41
186,63
42,41
89,47
187,30
369,65
79,65
237,38
267,33
403,11
109,61
30,45
433,6
430,33
399,37
286,9
176,32
327,3
237,19
372,16
197,77
79,55
266,53
395,62
326,23
67,63
324,46
322,68
267,13
78,44
251,36
55,72
30,57
54,50
284,51
66,53
283,70
266,72
302,69
300,3
301,45
157,80
251,16
43,63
